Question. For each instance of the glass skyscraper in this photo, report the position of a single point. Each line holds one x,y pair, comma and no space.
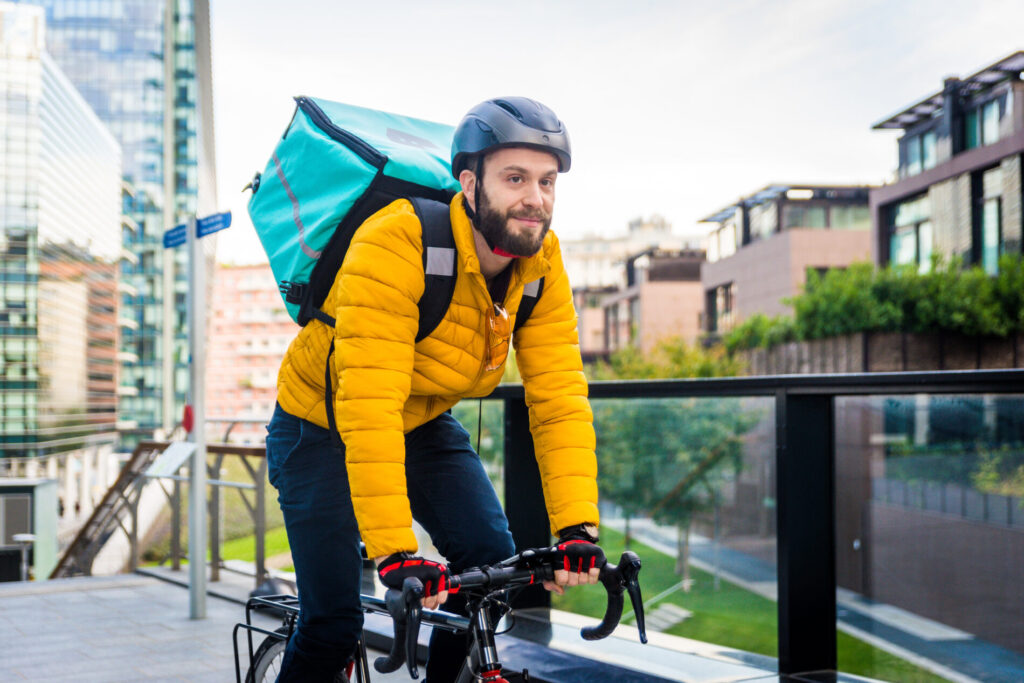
144,67
60,243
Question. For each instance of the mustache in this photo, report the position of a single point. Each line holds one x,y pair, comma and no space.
537,215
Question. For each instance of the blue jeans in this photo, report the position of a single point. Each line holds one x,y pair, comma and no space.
450,496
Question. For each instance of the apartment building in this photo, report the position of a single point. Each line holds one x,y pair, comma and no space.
760,248
662,298
959,190
249,333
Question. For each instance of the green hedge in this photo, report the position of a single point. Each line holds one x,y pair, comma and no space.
948,298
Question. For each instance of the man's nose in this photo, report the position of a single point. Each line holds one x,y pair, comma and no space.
534,195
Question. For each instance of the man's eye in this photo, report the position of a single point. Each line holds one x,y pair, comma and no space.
548,182
515,179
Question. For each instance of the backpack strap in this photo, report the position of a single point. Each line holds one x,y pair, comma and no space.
439,263
439,267
531,295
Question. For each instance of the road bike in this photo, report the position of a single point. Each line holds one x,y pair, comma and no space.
486,591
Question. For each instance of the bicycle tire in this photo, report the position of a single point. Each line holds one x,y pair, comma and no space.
266,660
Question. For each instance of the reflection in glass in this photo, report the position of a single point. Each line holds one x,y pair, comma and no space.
930,526
688,484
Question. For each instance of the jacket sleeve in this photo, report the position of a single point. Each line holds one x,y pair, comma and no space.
561,421
379,285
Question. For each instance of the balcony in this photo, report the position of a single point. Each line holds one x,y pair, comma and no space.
788,526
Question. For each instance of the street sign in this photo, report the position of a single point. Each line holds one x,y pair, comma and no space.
218,221
175,237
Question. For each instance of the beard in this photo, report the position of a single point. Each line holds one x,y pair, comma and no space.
494,226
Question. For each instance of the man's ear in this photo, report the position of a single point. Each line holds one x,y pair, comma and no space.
468,181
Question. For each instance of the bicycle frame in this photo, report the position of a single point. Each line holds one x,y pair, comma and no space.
482,664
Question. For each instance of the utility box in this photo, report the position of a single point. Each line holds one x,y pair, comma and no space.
28,506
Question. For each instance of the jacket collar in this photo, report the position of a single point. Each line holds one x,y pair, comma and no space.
526,269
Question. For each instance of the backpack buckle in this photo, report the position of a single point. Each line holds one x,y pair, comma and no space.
294,292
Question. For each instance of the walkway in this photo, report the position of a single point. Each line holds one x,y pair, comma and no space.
122,628
946,651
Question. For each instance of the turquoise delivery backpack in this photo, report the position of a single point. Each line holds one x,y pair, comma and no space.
334,167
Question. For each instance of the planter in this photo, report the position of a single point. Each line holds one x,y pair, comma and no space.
996,352
923,351
884,352
959,352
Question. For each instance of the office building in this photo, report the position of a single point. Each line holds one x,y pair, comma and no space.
760,249
144,68
60,245
958,192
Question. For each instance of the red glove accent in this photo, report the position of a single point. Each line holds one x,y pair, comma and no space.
579,556
398,567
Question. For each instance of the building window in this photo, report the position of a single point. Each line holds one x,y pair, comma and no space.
764,220
913,166
920,153
804,216
849,217
988,232
910,229
928,150
982,124
719,305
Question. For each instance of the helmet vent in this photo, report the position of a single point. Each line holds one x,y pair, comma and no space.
509,108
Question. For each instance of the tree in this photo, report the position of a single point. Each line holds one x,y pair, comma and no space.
668,458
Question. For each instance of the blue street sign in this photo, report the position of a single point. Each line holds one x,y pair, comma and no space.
218,221
175,237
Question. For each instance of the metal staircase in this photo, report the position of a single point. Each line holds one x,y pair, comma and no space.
117,510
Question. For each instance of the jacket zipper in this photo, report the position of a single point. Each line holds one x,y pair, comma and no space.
321,121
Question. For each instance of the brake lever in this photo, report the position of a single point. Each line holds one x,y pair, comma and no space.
617,579
629,566
412,594
405,609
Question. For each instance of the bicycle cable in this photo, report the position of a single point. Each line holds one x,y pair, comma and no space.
479,423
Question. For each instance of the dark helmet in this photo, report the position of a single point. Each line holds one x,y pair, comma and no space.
509,122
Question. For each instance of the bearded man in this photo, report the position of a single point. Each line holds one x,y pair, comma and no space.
404,456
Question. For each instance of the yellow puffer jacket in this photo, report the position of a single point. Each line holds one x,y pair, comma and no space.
388,384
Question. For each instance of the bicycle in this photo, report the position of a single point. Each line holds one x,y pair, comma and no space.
484,588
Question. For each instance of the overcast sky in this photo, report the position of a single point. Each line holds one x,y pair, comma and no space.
675,108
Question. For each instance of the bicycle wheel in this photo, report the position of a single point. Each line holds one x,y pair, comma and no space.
266,661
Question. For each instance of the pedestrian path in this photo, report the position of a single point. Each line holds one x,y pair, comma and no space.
127,628
666,615
947,652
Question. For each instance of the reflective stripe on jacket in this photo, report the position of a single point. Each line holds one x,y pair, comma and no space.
387,384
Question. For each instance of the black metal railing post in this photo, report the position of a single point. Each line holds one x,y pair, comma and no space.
806,532
261,521
524,496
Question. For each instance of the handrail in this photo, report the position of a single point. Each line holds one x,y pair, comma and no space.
851,384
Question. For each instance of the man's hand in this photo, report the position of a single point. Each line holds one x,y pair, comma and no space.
577,562
394,569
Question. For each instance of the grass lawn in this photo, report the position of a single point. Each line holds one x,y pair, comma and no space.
731,616
275,543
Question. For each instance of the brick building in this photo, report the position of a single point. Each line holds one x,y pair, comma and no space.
759,252
662,298
249,334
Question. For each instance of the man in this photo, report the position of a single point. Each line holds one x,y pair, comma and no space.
404,455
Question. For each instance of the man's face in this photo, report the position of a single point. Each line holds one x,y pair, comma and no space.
517,196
